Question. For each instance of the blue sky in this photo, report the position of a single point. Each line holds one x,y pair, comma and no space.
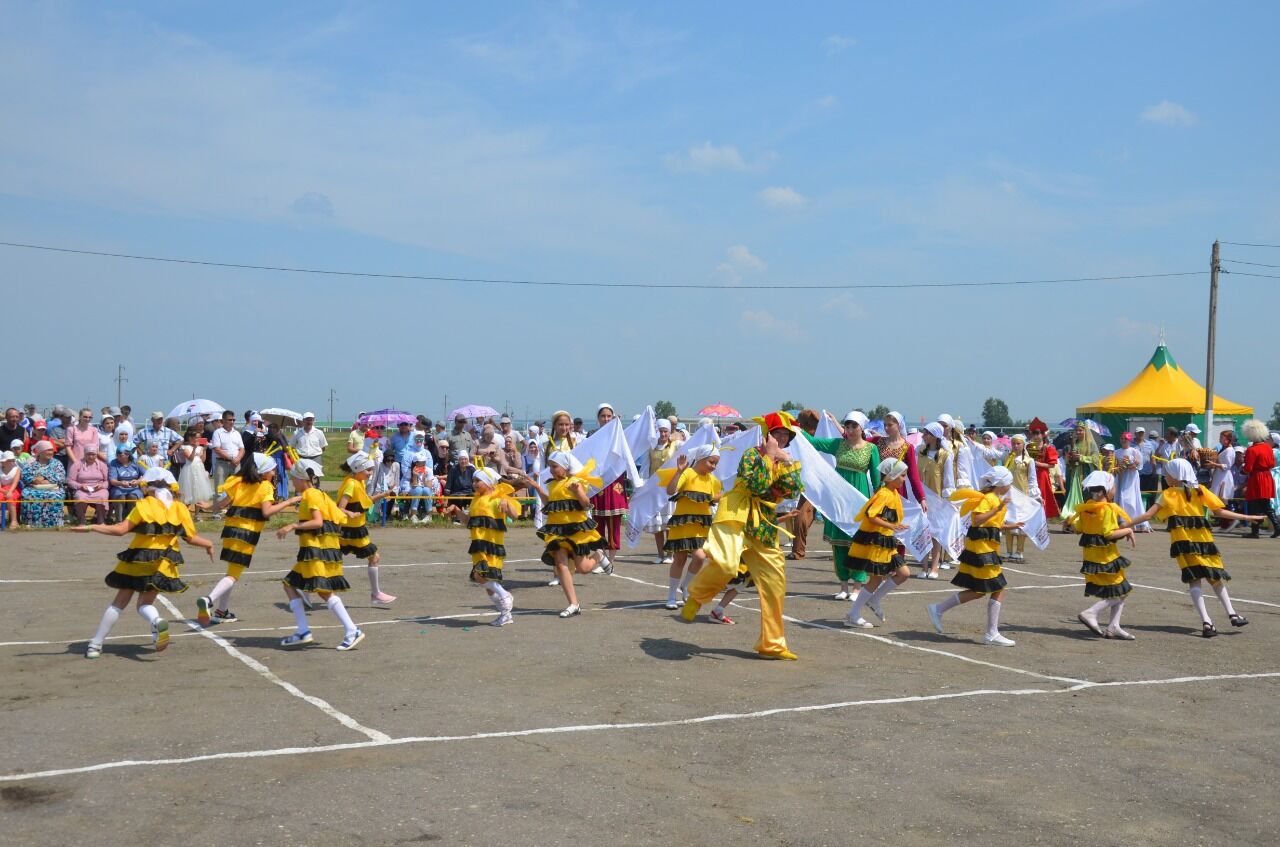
674,143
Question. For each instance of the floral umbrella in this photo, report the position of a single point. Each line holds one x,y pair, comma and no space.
195,409
386,417
719,410
473,410
281,416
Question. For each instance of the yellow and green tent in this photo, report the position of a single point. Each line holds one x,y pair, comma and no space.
1161,395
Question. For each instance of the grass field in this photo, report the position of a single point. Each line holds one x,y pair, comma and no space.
626,725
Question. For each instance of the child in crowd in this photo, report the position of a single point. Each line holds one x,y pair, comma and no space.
1101,523
980,573
1183,503
569,532
249,498
694,489
151,563
319,564
355,502
487,521
873,551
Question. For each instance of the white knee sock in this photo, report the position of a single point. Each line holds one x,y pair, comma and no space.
673,586
859,600
335,605
1117,607
1220,588
883,589
687,578
993,617
299,613
495,593
497,589
109,618
375,586
149,613
950,603
1096,608
1197,600
223,587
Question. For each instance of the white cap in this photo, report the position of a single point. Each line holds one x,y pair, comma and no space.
1110,447
306,415
7,456
17,442
1141,429
1192,428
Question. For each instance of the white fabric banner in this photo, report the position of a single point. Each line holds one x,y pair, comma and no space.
945,523
610,452
731,450
917,537
836,500
651,496
1031,513
827,429
642,436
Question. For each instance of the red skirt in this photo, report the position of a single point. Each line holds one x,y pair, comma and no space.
1046,493
610,501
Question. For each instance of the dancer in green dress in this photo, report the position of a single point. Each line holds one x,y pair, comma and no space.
1083,458
858,463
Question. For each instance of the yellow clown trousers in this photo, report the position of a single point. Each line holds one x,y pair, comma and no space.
726,546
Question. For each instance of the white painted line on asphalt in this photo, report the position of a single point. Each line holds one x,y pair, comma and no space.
28,581
1080,581
360,566
894,643
266,673
603,727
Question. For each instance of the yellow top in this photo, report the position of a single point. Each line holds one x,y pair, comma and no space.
1190,538
156,529
315,503
562,505
884,499
695,491
353,490
486,519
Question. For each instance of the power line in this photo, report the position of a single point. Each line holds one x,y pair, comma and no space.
1248,244
561,284
1246,273
1255,264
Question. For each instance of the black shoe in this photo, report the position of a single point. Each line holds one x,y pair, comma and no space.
1239,620
1209,630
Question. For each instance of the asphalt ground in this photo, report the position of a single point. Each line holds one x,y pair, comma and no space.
626,725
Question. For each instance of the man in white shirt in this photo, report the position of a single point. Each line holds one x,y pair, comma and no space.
509,432
1147,470
309,441
228,449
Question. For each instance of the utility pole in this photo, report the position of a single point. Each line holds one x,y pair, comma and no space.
1213,335
120,381
444,411
333,395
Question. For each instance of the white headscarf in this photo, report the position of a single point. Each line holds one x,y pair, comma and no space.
857,417
161,484
935,429
1181,470
892,468
488,476
359,462
264,463
1099,479
996,477
946,420
702,451
902,423
563,459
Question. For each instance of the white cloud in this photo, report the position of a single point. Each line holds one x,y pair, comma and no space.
1129,328
1168,113
782,197
707,157
830,101
845,306
739,261
836,43
761,320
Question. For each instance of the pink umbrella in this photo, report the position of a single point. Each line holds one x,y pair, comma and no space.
385,417
719,410
914,439
1004,441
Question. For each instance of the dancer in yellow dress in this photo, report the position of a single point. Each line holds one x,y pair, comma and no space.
695,490
249,497
354,500
1183,504
487,522
151,563
1101,523
980,573
745,530
874,549
319,563
570,531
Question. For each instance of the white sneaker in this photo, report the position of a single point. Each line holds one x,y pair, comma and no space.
860,623
502,619
570,611
599,569
1090,622
554,581
935,615
932,576
841,595
998,640
673,603
413,519
657,560
667,560
946,566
